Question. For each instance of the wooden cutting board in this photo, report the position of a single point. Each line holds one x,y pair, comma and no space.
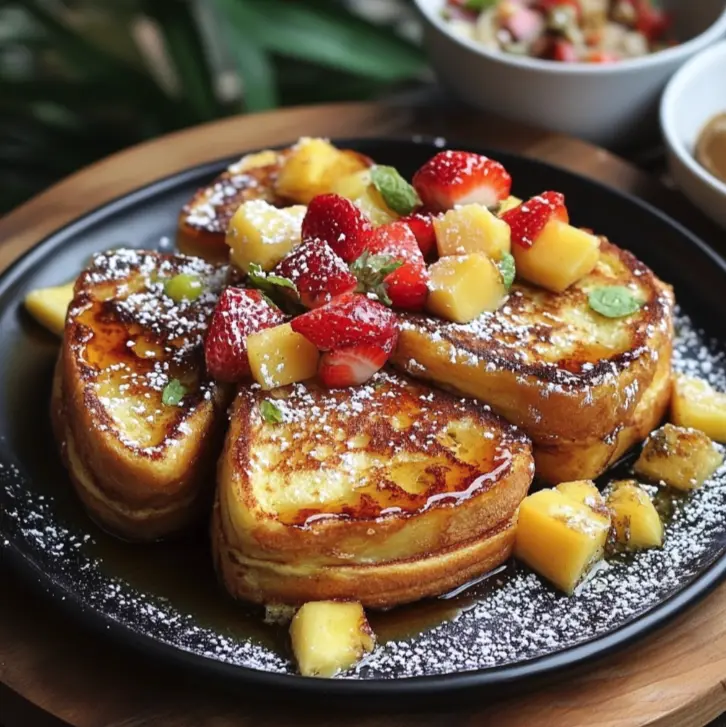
675,678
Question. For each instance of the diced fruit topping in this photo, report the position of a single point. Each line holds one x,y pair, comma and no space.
49,306
239,312
406,286
422,226
585,492
529,219
338,222
329,637
278,356
353,365
347,321
561,256
525,24
312,168
678,457
651,21
263,234
184,286
635,521
359,189
463,287
458,177
472,228
560,537
563,50
317,272
508,204
396,192
698,405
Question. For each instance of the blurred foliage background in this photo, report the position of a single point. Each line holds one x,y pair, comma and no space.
80,79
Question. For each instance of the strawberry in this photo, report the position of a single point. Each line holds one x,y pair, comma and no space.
353,365
652,22
422,226
563,50
317,272
530,218
239,312
525,24
348,320
459,177
405,286
337,221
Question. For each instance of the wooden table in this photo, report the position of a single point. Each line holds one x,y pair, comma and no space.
674,677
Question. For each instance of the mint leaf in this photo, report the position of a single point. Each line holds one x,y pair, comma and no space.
508,269
268,281
479,5
271,413
173,393
371,271
397,193
613,301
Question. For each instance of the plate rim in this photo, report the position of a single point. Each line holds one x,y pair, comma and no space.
505,675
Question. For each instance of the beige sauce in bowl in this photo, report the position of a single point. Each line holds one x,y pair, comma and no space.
711,147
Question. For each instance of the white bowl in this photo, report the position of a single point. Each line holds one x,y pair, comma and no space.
694,96
609,104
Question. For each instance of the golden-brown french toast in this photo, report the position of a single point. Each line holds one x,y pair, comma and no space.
139,422
384,493
549,363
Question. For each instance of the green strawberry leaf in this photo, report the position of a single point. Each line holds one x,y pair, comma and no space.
614,301
270,412
268,282
397,193
508,269
173,393
371,271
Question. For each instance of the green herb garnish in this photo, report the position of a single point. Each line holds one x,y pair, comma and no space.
397,193
614,301
271,413
371,271
173,393
479,5
268,282
507,269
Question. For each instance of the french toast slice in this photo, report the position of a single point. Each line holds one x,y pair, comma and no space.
139,423
546,361
385,493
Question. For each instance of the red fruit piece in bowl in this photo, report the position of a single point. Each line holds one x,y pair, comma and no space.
460,177
337,221
529,219
239,312
317,272
422,226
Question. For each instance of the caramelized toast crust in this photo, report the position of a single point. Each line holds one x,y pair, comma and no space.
125,341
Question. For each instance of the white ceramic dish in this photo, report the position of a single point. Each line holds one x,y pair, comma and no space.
694,96
610,104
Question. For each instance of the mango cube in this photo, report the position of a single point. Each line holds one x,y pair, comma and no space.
312,168
635,521
508,204
678,457
462,287
560,538
263,234
585,492
472,228
696,404
329,637
559,257
254,161
278,356
49,306
358,188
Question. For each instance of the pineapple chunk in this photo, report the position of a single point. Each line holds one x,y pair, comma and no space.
698,405
472,228
559,257
679,457
462,287
636,522
508,204
263,234
279,356
560,538
254,161
585,492
358,188
329,637
312,168
49,306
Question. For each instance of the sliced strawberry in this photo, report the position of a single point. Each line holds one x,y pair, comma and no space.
529,218
337,221
317,272
525,24
459,177
239,312
353,365
406,286
348,320
563,50
422,226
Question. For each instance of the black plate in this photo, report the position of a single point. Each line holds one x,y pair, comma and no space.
163,598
